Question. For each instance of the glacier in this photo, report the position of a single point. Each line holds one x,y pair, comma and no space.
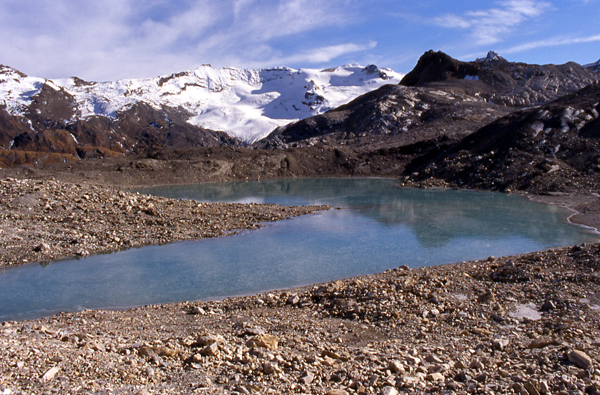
244,103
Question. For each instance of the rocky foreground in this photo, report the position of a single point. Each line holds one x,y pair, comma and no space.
48,219
523,325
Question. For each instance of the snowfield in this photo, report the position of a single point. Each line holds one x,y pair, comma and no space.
244,103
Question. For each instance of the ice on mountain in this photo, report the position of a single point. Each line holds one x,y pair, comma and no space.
244,103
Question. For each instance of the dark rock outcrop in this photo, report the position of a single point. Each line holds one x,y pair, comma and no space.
441,96
499,81
50,126
552,148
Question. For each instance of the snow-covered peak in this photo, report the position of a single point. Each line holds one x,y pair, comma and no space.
244,103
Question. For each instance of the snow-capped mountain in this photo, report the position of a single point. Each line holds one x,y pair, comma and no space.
247,104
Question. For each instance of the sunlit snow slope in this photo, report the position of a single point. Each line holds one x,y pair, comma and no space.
247,104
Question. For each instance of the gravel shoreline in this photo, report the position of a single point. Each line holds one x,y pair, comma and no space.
43,220
524,324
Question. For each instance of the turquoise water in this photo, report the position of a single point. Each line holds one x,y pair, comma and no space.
377,227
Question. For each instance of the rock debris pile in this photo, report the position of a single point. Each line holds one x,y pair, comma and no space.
48,219
525,324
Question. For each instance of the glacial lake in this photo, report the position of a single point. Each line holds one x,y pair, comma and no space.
377,227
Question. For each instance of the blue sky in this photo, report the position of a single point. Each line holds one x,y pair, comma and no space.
113,39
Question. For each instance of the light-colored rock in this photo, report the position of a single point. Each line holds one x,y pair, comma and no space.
499,344
207,340
50,374
387,390
306,378
266,341
434,377
337,392
396,367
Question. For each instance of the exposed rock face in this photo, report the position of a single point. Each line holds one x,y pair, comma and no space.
399,114
547,149
50,131
441,96
500,81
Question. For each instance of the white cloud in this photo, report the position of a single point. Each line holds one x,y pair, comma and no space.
491,25
552,42
325,54
134,38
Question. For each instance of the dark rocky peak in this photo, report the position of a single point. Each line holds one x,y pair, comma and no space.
372,69
492,57
437,66
79,82
499,81
9,70
164,80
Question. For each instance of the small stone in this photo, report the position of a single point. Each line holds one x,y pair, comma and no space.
519,389
197,310
210,351
207,340
548,305
434,377
413,360
396,367
482,378
293,300
531,388
331,354
499,344
166,352
336,392
41,247
49,375
196,358
461,377
544,387
476,364
270,368
387,390
541,342
580,359
306,378
433,359
266,341
486,298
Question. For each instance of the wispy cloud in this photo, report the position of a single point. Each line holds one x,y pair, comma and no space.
552,42
133,38
325,54
491,25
